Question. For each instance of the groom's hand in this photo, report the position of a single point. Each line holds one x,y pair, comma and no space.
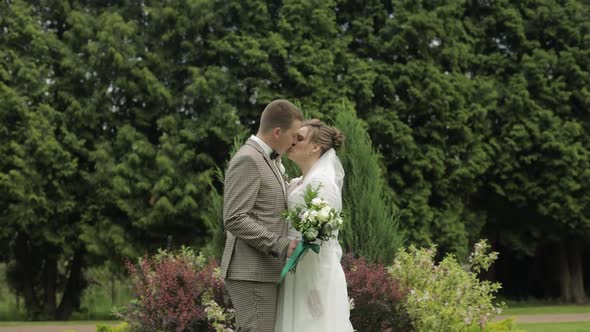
292,245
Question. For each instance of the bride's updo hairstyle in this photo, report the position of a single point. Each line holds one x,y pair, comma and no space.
323,135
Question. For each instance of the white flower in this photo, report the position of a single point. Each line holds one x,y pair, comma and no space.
316,201
329,227
313,214
305,215
324,213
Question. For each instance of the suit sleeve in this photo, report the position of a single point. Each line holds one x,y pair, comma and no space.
242,183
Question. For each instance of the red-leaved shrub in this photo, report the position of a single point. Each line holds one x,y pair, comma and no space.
170,293
376,295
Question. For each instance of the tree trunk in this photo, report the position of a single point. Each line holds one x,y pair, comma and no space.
74,287
24,263
571,273
49,285
564,274
578,292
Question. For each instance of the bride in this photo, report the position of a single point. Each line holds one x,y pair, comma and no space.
314,298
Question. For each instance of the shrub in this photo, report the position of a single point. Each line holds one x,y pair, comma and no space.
501,326
445,296
123,327
376,297
371,228
177,291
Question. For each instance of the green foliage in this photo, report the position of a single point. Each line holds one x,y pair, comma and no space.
108,144
40,180
446,296
315,219
114,117
537,57
213,219
371,226
123,327
541,145
176,290
503,325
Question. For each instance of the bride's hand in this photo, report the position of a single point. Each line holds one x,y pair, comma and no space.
292,246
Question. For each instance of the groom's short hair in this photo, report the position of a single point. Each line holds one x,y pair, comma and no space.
279,113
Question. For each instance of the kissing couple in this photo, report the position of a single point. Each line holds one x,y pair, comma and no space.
314,297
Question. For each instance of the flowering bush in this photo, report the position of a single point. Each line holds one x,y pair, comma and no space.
375,296
446,297
181,291
178,291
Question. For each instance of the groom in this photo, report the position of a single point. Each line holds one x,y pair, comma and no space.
253,201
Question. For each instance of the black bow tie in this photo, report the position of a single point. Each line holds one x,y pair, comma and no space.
273,155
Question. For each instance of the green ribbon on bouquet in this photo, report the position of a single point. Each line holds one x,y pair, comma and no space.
301,249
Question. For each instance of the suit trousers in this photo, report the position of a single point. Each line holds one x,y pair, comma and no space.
255,304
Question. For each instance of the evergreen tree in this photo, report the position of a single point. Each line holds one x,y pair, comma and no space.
371,228
537,54
40,182
426,113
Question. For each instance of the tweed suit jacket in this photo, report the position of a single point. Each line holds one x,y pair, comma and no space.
253,203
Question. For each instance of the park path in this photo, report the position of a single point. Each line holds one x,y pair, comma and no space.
548,318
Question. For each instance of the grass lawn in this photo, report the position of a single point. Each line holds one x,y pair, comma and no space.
547,309
96,302
555,327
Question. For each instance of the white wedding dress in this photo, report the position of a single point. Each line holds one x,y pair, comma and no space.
314,298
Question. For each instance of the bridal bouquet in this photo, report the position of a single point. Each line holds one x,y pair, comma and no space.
315,220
